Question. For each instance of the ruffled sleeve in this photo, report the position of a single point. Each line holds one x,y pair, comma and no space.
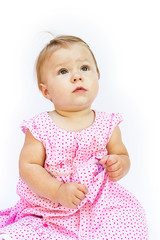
33,125
115,119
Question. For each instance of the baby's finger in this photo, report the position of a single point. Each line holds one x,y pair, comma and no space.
76,201
80,195
111,160
113,167
83,188
73,205
104,160
115,176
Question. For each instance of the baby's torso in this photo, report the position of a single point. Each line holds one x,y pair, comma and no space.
65,150
70,156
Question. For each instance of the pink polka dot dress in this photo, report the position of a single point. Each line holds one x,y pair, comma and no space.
109,211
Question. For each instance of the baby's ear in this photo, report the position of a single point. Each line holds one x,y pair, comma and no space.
44,91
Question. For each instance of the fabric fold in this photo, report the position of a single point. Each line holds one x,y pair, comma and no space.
92,176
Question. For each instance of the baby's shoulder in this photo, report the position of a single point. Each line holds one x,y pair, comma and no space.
37,121
108,117
40,118
41,127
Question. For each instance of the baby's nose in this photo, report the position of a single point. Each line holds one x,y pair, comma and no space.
76,77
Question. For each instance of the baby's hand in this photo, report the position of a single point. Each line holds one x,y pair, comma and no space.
71,194
114,166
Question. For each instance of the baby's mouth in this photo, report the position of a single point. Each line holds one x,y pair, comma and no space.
79,90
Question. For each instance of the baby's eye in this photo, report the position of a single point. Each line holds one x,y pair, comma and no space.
85,68
62,71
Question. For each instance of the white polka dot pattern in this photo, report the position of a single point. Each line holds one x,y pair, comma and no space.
108,211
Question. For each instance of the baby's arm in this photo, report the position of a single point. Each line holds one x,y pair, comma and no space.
33,173
117,162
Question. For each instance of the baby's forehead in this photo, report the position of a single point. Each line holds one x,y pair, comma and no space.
76,51
78,47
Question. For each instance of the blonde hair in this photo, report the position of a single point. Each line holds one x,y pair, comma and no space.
54,44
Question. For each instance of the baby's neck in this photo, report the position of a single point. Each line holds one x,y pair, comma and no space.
73,114
73,121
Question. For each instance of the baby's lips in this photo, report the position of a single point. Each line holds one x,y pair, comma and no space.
80,89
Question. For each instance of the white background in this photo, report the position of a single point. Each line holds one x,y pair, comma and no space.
125,38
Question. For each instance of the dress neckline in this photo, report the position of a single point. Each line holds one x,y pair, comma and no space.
67,131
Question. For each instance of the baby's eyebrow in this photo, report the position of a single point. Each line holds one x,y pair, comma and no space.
61,64
83,60
65,64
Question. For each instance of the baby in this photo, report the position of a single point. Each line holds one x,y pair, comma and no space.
72,158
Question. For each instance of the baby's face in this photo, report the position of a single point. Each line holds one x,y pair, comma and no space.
70,78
